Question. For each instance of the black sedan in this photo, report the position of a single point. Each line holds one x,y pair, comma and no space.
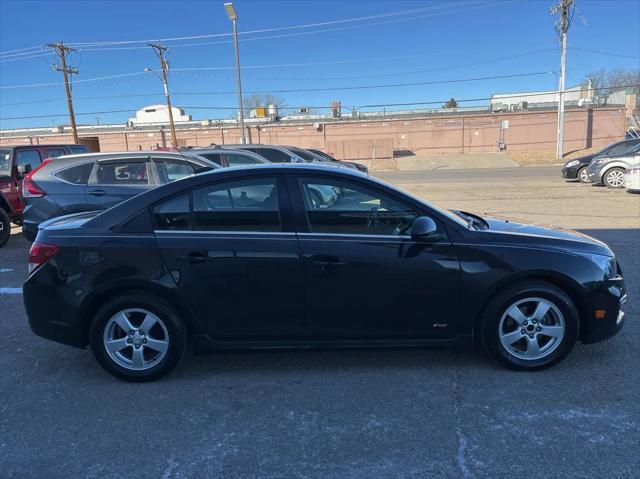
305,256
577,168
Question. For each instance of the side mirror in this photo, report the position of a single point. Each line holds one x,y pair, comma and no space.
424,229
24,169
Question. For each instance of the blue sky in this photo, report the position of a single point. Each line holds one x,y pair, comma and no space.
436,40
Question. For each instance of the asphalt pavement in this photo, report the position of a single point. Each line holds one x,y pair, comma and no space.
336,414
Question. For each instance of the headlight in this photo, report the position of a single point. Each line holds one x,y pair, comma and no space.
605,263
572,163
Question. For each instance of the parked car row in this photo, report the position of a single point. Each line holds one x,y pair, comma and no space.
35,188
616,166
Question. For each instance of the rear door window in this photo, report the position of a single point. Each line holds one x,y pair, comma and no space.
242,205
274,155
77,175
237,159
122,173
215,157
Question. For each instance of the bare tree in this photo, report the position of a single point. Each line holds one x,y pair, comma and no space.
607,81
262,100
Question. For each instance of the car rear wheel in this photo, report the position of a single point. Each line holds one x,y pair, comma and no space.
530,326
137,337
5,227
583,176
614,178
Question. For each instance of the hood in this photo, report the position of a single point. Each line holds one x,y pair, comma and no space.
545,236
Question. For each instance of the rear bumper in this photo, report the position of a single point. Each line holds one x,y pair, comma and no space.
604,316
52,313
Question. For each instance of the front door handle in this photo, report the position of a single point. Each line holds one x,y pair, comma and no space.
194,257
328,263
97,192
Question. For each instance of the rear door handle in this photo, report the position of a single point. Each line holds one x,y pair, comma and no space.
194,257
97,192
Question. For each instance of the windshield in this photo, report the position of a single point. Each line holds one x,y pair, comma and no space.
438,209
5,162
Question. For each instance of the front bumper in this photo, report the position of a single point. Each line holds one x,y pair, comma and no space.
571,173
603,315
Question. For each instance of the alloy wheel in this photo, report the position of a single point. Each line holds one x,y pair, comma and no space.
615,179
136,339
531,328
584,176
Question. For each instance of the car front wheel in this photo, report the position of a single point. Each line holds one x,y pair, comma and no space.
583,176
614,178
137,337
530,326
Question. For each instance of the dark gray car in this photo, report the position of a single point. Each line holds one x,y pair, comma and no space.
98,181
273,153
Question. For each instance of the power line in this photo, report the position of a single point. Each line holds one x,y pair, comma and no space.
275,29
434,82
379,105
604,53
286,35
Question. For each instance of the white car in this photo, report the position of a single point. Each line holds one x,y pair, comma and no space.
632,178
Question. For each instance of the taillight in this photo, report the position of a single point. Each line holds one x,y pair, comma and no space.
29,188
39,254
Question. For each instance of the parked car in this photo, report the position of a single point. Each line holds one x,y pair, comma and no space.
610,170
632,178
314,158
328,157
244,258
273,153
98,181
577,168
15,162
228,158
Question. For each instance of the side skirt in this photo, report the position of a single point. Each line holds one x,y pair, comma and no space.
203,344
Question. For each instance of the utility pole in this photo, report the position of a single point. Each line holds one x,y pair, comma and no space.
62,52
565,8
159,49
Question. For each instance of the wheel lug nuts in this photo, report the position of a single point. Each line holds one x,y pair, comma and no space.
129,341
526,322
144,341
534,321
531,335
137,346
538,328
523,331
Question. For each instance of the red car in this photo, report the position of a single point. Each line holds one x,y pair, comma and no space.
15,163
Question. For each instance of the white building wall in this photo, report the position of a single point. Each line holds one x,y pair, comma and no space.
571,94
159,114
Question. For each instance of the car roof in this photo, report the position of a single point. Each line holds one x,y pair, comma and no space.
35,147
213,149
190,154
254,145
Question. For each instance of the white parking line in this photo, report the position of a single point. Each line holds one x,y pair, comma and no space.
10,290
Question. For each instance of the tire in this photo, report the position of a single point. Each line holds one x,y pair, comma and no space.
503,336
5,227
614,178
582,175
132,357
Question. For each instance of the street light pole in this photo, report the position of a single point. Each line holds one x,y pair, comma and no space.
233,16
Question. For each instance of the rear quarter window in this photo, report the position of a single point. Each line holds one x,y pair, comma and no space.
78,175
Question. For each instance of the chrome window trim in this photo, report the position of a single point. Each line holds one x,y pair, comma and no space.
227,233
354,235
